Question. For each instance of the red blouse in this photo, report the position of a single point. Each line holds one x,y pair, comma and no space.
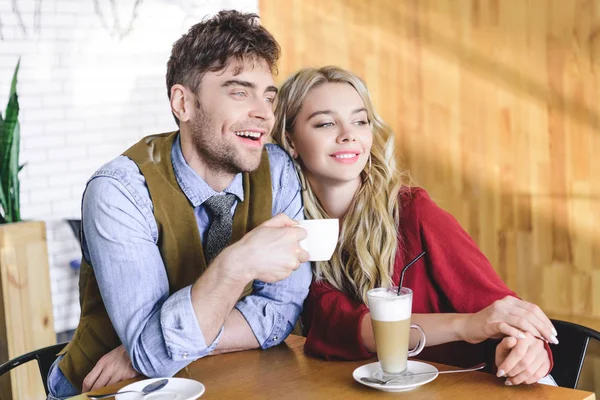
453,277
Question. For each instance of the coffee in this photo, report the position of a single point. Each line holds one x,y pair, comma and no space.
390,314
392,344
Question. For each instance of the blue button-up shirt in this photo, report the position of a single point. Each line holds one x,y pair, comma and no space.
160,331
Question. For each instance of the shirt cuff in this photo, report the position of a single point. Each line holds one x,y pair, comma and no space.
268,325
182,334
550,356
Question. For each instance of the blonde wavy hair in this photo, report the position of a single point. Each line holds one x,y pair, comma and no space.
364,257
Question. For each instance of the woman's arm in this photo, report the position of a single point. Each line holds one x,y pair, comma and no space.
452,327
332,323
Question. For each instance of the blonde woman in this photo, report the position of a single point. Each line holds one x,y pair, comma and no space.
344,153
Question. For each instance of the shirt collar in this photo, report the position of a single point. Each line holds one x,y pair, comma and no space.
195,188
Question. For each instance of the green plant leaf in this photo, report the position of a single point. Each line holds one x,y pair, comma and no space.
13,85
14,186
3,201
7,150
9,155
1,127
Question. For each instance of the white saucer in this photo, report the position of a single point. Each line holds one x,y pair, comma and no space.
176,389
400,385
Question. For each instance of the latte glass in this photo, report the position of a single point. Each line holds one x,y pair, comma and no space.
390,314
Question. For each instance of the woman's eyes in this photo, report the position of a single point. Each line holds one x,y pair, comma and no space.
329,124
324,125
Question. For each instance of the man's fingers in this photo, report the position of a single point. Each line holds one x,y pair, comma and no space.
299,232
118,378
90,379
279,221
102,380
303,256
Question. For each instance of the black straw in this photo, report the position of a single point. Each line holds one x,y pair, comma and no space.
407,266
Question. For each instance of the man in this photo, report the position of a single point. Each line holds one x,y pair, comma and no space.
154,222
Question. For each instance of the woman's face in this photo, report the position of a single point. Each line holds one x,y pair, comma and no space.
332,135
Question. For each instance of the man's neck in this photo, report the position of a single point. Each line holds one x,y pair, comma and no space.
335,197
215,178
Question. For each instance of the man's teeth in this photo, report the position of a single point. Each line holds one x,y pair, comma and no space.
254,135
346,156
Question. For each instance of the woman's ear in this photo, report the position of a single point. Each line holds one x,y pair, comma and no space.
290,142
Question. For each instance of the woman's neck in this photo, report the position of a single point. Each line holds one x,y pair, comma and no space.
335,197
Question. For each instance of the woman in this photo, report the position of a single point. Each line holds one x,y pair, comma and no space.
345,158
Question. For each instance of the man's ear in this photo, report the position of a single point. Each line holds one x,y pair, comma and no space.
182,101
290,142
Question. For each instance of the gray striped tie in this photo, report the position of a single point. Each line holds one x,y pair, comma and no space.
219,231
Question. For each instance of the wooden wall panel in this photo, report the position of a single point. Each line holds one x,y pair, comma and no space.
496,108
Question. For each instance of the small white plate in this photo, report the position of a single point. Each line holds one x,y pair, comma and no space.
399,385
176,389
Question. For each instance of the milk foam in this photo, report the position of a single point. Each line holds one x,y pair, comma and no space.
387,306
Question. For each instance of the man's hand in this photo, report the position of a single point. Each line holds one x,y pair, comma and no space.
507,317
270,252
113,367
522,360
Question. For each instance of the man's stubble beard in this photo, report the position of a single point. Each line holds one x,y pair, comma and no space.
220,156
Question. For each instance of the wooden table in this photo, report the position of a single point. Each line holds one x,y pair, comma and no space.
285,372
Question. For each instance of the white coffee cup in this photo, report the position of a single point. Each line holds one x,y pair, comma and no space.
321,239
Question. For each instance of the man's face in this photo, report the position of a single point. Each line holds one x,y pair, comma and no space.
233,116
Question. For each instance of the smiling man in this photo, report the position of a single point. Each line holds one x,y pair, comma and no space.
182,256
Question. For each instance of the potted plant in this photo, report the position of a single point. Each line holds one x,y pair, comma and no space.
26,321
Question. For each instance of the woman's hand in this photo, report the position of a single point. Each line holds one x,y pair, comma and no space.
113,367
522,360
507,317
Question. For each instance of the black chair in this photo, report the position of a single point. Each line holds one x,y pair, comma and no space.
45,357
570,353
75,225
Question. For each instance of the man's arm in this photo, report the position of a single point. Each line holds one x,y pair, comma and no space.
163,334
160,333
271,311
237,335
269,252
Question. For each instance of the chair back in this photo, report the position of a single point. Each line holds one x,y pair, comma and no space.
44,357
570,353
75,225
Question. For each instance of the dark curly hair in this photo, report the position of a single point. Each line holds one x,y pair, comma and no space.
211,44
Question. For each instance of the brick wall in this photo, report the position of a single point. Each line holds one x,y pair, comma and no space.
87,92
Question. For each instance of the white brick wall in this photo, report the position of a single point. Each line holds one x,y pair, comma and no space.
86,95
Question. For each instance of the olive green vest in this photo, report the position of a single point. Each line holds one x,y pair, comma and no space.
178,241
